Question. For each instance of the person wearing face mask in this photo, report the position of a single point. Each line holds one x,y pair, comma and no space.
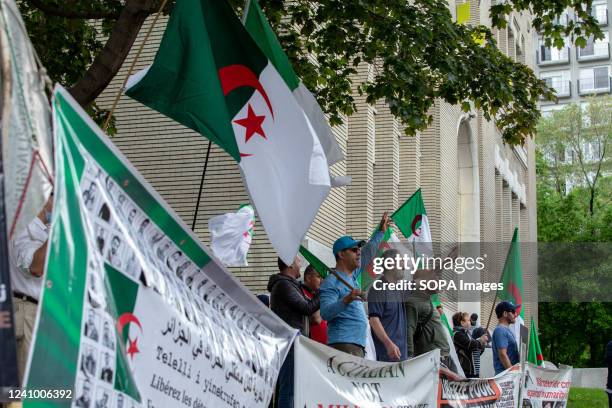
28,251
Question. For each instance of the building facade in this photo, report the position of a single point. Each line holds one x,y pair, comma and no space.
575,72
475,188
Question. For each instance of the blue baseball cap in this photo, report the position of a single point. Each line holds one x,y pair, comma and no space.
505,306
346,242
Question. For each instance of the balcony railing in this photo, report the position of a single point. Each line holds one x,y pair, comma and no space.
563,89
594,85
553,56
596,51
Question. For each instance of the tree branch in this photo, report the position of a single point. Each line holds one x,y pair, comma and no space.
73,14
109,60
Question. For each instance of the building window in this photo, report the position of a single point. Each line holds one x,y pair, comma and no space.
552,55
594,80
548,110
559,80
600,11
595,49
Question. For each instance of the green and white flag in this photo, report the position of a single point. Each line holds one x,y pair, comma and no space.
258,26
411,219
134,311
212,77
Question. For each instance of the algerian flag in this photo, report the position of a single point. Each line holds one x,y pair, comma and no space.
134,308
534,356
411,219
435,300
231,235
258,26
512,279
318,265
212,77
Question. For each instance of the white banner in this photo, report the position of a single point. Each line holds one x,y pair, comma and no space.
325,377
501,391
546,388
135,311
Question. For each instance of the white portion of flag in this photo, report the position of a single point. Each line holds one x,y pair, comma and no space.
230,236
421,238
317,118
285,169
26,128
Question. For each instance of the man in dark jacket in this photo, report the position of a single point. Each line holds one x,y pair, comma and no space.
290,304
466,345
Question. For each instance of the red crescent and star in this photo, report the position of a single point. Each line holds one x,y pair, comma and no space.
122,321
236,76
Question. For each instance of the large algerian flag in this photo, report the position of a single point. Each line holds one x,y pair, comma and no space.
512,279
135,309
258,26
212,77
534,356
411,219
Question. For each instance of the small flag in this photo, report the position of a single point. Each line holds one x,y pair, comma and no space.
231,235
212,77
411,219
435,300
317,264
534,356
512,279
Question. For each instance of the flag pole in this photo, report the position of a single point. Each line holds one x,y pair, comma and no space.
122,87
500,279
195,214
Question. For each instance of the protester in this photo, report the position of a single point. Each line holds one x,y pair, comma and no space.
290,304
467,346
312,284
347,324
387,315
425,331
27,263
608,358
505,349
473,324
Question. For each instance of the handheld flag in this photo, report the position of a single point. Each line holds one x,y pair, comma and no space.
411,219
231,235
512,279
534,355
317,264
212,77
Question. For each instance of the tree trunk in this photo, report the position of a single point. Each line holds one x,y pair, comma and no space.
109,60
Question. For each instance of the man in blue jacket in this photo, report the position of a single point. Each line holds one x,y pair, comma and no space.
340,305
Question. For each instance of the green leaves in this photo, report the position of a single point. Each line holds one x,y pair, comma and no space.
419,53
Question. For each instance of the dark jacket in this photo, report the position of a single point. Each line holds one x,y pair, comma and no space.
289,303
465,346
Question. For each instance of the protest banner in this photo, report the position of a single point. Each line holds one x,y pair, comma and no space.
325,377
501,391
546,388
135,312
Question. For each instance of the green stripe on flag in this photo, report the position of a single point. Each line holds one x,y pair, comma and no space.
257,25
82,130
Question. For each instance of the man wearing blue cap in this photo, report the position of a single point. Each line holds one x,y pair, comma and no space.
505,349
346,318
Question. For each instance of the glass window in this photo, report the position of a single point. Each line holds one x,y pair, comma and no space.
594,78
595,48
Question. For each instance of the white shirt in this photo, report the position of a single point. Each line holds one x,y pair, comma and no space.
22,249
